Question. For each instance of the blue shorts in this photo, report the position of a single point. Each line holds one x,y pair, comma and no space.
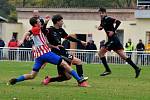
49,57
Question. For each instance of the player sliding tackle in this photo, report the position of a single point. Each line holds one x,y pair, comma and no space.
43,54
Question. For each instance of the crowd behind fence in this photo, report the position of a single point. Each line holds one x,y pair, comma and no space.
87,56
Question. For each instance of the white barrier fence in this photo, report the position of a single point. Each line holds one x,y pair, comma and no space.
87,56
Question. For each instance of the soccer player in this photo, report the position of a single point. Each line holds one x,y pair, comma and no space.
43,54
54,35
113,43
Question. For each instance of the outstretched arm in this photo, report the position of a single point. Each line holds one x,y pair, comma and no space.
117,24
70,38
44,30
24,37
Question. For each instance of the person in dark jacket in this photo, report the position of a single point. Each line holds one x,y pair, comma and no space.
90,54
140,47
2,44
25,53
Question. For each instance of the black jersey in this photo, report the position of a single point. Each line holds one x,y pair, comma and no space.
113,43
54,35
108,24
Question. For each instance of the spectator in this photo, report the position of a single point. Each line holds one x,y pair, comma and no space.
129,47
147,49
140,47
13,45
90,54
25,54
102,43
2,44
37,14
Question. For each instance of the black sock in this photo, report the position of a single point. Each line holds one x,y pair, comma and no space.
129,61
58,79
105,64
79,70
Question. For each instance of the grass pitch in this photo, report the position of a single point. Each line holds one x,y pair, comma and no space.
120,85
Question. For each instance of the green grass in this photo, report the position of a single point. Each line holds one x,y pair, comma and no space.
120,85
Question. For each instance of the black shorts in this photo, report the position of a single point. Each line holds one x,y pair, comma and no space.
113,44
62,52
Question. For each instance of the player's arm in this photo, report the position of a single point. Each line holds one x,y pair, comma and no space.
72,39
52,46
100,27
44,30
117,22
24,37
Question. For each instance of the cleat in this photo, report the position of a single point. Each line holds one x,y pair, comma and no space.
46,80
12,81
83,83
85,78
105,73
137,72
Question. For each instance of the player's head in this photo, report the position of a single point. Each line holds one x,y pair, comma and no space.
140,41
36,13
34,21
102,12
129,40
57,20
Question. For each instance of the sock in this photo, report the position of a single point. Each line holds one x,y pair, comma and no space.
58,79
21,78
129,61
75,75
79,70
105,64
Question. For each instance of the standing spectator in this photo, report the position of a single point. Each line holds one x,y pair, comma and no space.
102,44
13,45
37,15
2,44
147,49
25,54
90,54
140,47
129,47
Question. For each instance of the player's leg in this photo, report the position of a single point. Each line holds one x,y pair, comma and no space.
78,63
32,75
71,59
62,76
129,61
57,60
102,52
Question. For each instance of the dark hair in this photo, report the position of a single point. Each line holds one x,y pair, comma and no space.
102,10
33,21
56,18
42,21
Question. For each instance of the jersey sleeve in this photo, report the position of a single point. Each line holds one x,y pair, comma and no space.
64,34
35,30
112,20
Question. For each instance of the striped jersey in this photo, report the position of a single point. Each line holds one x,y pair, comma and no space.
40,42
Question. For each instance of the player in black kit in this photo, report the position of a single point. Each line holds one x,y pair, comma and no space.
54,35
113,43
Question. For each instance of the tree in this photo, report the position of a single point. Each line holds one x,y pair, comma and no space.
124,3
